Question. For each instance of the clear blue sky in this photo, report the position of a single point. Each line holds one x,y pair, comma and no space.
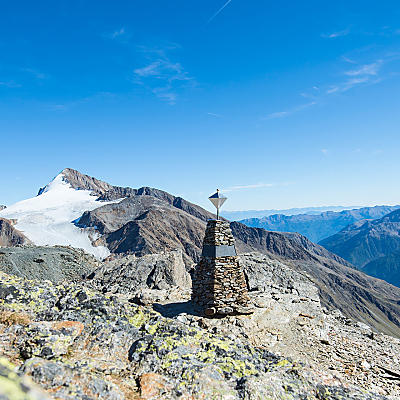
283,104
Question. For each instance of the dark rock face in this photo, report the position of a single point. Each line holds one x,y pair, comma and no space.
47,263
372,246
9,236
321,226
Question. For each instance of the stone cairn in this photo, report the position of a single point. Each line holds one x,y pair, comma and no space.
219,284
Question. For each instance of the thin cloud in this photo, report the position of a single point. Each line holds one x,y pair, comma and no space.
245,187
348,60
62,107
214,115
281,114
10,84
219,11
334,35
361,75
367,69
120,35
161,76
35,73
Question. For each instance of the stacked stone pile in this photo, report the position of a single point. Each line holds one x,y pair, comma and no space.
219,284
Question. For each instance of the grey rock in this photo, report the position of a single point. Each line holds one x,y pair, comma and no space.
124,351
46,263
130,274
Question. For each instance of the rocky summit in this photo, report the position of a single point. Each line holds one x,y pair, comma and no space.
74,342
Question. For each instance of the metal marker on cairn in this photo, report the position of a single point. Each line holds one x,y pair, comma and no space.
219,284
217,199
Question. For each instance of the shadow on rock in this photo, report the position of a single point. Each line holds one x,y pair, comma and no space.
172,310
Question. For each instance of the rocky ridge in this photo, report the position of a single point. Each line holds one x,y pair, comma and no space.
78,343
9,236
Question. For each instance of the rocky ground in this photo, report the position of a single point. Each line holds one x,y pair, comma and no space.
91,340
56,263
79,344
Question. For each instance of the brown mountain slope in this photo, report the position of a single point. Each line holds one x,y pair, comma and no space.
9,236
372,246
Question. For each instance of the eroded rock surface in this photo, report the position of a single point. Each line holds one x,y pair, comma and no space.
130,274
81,344
47,263
9,236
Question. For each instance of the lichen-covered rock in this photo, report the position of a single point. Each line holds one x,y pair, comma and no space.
80,344
16,386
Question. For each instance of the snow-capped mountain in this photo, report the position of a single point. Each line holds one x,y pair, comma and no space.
48,219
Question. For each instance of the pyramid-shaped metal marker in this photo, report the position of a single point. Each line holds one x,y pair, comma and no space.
217,199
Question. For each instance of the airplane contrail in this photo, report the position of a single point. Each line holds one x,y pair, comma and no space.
219,11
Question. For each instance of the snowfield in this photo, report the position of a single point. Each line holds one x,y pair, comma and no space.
47,219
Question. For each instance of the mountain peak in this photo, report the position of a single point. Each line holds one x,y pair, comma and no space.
79,181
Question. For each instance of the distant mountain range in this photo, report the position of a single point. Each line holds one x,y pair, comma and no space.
111,221
247,214
372,246
319,226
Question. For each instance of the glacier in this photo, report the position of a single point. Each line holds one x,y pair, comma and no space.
47,219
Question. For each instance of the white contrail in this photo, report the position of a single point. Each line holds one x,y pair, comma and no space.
219,11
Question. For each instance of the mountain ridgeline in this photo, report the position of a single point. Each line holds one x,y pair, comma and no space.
372,246
320,226
149,220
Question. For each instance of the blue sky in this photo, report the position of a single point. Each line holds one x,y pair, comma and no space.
283,105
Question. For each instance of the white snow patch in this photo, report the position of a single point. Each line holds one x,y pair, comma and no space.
46,219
